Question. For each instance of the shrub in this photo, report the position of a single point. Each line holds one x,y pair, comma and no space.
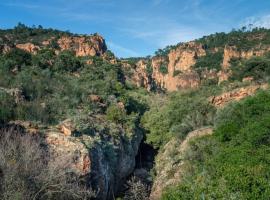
136,190
67,61
25,172
116,114
256,67
163,68
234,162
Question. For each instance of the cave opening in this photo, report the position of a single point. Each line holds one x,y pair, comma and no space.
143,171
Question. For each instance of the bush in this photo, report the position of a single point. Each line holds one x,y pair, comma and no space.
16,58
234,162
163,68
116,114
210,61
7,105
67,61
181,113
25,172
256,67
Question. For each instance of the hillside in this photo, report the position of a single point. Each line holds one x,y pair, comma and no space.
76,122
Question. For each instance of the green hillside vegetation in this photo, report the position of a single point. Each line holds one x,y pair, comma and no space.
234,162
47,88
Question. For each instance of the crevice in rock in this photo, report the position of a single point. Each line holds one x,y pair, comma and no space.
143,170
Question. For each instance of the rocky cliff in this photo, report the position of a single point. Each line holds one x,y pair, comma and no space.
176,69
169,162
172,71
103,161
91,45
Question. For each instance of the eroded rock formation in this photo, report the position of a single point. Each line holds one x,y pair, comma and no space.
178,64
105,163
169,168
235,95
84,45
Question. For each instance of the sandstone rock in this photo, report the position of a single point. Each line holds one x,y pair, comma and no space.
67,127
232,52
102,162
235,95
248,79
94,98
83,45
180,59
29,47
169,168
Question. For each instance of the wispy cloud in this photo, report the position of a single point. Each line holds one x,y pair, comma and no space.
126,52
257,21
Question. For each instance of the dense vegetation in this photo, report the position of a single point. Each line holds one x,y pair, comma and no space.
256,67
243,39
177,115
234,163
210,61
47,88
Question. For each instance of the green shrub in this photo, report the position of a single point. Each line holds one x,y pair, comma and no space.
256,67
67,61
234,162
210,61
163,68
116,114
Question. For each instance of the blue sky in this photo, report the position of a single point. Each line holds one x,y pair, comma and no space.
137,27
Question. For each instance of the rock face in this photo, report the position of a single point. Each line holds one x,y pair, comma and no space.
93,45
29,47
84,45
178,64
232,52
236,95
169,168
103,162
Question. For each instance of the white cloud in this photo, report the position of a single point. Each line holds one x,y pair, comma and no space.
261,21
122,50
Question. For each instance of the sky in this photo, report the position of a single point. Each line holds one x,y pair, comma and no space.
134,28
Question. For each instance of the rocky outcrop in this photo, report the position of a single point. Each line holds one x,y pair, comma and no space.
83,45
235,95
103,161
29,47
184,57
231,52
169,162
93,45
178,64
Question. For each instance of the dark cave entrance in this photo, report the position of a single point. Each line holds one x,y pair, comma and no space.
146,157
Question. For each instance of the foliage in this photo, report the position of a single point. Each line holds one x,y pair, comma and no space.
67,61
256,67
243,39
210,61
116,114
181,113
163,68
137,190
235,162
25,172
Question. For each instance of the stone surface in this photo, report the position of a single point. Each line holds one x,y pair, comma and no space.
179,64
29,47
102,161
169,168
235,95
84,45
